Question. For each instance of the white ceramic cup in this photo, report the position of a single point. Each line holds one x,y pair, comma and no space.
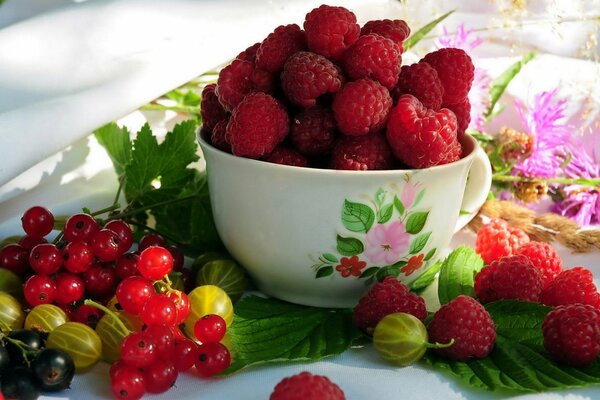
320,237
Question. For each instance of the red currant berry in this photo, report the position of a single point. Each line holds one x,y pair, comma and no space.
80,227
160,376
15,258
159,310
106,245
184,354
123,230
116,367
88,315
164,339
78,257
39,289
155,262
133,292
150,239
45,259
178,334
100,280
177,258
29,242
69,311
138,350
37,222
126,265
211,359
127,383
69,288
182,303
210,328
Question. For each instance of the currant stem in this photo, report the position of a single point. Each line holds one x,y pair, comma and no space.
439,345
105,210
107,311
24,348
125,214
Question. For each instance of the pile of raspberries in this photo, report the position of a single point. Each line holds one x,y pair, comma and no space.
517,268
335,95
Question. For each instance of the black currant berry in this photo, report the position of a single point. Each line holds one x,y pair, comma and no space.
53,370
4,360
31,339
18,383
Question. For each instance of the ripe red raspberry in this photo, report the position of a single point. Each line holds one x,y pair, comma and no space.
306,386
234,83
462,111
572,286
257,125
249,54
509,278
421,137
422,81
279,46
262,81
386,297
361,107
544,257
455,69
330,30
469,324
286,156
362,153
307,76
396,30
217,138
572,334
211,110
374,57
498,239
313,131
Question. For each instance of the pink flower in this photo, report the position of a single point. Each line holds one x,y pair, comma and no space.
409,192
461,39
386,243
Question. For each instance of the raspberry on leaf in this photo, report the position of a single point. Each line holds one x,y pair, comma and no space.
498,239
510,277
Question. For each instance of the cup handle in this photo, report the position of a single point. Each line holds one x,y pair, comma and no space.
478,186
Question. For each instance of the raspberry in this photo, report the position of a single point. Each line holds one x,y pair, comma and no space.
462,111
572,286
313,131
387,297
572,334
361,107
374,57
234,83
257,125
306,386
468,323
249,54
211,110
279,46
307,76
422,81
396,30
455,69
421,137
331,30
498,239
262,80
544,257
511,277
362,153
217,137
286,156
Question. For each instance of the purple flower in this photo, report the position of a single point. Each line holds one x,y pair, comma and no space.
461,39
545,123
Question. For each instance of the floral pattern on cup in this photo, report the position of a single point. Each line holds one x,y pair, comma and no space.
385,236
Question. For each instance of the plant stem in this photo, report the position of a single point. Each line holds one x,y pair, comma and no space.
125,214
121,183
107,311
113,207
176,108
146,227
594,182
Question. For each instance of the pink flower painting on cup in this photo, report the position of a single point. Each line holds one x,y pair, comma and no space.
386,243
409,192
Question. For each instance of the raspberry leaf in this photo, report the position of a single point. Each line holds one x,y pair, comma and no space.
347,246
416,221
117,143
357,217
457,275
269,330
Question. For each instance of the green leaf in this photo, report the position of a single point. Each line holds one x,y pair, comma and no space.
385,213
418,198
367,273
416,221
421,33
357,217
429,254
348,246
330,257
117,143
398,204
418,243
393,270
269,330
457,274
324,271
500,84
185,98
426,279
